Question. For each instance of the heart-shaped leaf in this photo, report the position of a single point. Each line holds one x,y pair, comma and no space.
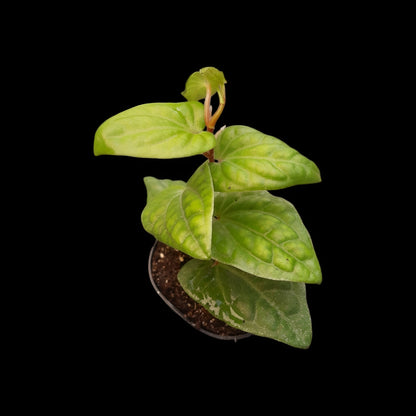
180,214
263,235
250,160
262,307
155,130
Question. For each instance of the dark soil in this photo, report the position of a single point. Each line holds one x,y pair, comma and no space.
165,265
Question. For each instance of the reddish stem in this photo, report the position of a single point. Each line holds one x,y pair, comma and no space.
211,120
207,104
210,155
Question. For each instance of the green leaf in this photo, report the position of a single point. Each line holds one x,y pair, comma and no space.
197,83
155,186
250,160
264,307
263,235
180,214
156,130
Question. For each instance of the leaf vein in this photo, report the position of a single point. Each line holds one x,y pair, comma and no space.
247,278
242,225
186,220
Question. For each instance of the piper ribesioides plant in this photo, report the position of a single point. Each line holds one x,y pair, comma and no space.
252,255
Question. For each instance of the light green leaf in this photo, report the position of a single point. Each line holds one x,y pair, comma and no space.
250,160
196,85
155,186
179,214
263,235
155,130
264,307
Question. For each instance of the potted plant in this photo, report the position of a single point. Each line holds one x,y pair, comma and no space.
248,254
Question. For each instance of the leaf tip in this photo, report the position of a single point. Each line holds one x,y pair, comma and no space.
317,174
100,146
98,141
186,95
306,343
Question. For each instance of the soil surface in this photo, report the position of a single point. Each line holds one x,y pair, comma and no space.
165,264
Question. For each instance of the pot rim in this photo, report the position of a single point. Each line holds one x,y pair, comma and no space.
178,312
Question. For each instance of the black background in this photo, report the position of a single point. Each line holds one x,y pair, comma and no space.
294,75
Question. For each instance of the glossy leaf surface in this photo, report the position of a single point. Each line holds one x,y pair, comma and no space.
251,160
263,307
196,85
180,214
155,130
263,235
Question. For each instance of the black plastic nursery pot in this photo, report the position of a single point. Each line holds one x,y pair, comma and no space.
164,265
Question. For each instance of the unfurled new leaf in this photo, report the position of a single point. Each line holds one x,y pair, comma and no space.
179,214
156,130
263,235
250,160
260,306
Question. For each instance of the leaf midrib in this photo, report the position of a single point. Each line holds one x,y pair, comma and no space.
260,293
